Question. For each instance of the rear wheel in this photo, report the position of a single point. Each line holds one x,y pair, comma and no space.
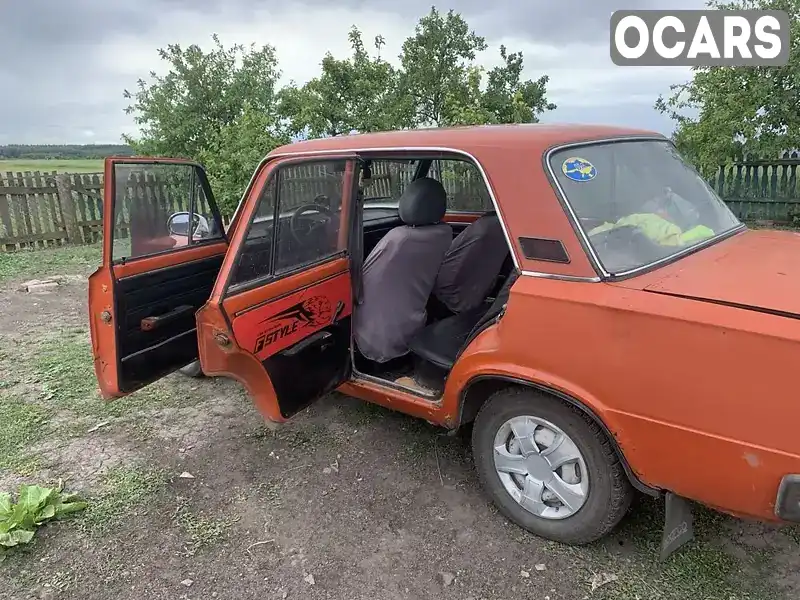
192,369
548,467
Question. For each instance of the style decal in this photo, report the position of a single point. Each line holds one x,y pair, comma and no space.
315,311
281,323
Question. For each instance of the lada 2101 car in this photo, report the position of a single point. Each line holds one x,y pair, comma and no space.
578,294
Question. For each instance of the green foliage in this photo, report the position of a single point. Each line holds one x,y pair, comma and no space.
740,110
507,99
204,105
21,425
201,530
223,107
446,87
64,260
48,165
437,72
359,93
35,506
63,151
126,494
235,152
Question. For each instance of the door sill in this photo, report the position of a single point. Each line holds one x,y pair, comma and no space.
434,398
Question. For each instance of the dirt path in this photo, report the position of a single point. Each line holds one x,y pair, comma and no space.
347,501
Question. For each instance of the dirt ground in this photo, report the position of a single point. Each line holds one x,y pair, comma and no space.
193,496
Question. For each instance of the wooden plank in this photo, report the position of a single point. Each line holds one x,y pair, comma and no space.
56,219
68,210
5,214
45,224
16,206
34,237
32,205
95,204
82,203
26,189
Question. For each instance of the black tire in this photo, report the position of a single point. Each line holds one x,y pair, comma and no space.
610,492
192,369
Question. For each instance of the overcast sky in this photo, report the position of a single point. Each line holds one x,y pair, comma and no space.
66,63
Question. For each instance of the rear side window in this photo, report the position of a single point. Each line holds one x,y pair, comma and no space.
463,182
161,207
297,221
465,186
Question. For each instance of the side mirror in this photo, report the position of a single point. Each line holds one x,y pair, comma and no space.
178,224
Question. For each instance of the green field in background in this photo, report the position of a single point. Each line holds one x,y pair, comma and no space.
50,165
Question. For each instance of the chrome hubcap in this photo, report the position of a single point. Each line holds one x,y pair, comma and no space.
541,467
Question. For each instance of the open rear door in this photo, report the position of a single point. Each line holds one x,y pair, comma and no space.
279,316
163,247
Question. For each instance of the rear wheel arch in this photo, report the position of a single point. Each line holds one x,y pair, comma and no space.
478,390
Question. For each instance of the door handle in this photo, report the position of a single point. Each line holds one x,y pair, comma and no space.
321,338
151,323
337,312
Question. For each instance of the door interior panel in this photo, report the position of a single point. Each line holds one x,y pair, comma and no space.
156,329
302,338
296,384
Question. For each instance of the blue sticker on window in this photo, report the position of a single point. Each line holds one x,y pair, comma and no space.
578,169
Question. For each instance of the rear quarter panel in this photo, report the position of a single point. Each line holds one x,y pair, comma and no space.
700,397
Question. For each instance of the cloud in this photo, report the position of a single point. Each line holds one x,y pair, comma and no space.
66,64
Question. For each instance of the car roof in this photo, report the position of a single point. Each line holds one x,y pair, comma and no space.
467,138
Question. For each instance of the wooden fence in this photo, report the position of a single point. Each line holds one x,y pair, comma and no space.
762,189
45,209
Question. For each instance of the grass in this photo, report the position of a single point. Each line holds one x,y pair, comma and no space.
21,424
77,165
65,260
125,494
64,371
63,367
702,569
201,530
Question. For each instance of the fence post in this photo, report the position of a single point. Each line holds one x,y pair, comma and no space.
68,209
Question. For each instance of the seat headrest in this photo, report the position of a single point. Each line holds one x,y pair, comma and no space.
423,202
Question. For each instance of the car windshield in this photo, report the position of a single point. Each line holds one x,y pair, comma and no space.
638,202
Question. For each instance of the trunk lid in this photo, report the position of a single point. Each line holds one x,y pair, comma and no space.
756,270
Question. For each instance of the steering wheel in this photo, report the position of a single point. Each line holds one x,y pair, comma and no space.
299,232
628,240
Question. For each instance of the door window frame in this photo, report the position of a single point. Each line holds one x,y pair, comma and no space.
428,166
278,164
111,209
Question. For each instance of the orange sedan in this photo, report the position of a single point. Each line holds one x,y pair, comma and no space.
579,295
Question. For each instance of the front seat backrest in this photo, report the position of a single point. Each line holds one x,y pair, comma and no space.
472,264
400,272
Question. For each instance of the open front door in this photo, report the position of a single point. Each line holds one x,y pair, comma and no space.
279,317
163,247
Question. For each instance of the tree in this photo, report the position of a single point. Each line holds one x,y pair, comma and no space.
446,87
206,106
236,151
436,63
739,110
223,107
355,94
509,100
